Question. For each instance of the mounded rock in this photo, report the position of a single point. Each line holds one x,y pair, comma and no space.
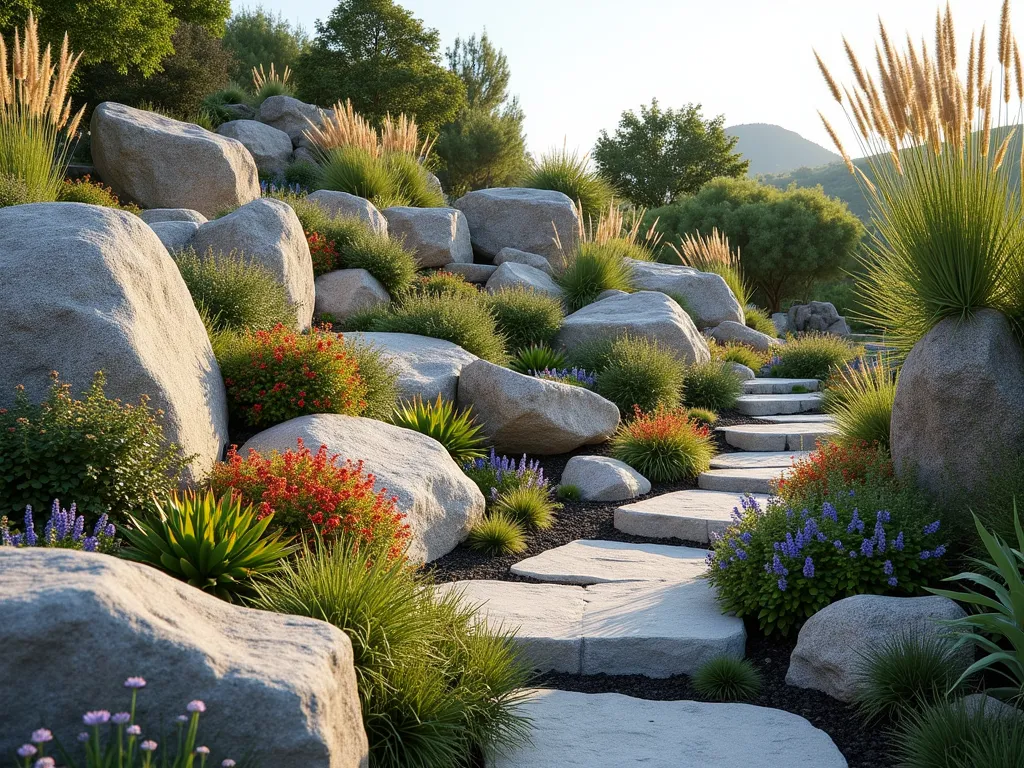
781,322
744,373
163,163
86,289
706,294
239,111
436,236
158,215
441,504
959,401
269,147
514,275
524,414
175,235
817,316
288,114
647,313
426,367
601,478
525,219
522,257
292,675
609,293
344,292
472,273
990,706
268,232
344,204
830,649
730,330
585,562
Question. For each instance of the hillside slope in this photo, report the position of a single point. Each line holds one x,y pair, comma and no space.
774,149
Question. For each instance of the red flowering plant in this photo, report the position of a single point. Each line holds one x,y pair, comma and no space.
308,491
664,445
324,253
272,376
830,467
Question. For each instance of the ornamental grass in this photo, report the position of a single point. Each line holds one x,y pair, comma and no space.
664,446
712,253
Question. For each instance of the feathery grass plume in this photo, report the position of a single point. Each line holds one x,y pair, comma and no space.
266,84
344,127
712,253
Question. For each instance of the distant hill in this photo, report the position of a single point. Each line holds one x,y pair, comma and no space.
774,149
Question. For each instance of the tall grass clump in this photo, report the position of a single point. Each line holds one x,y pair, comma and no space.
711,253
266,84
639,372
526,318
813,356
591,270
860,397
950,734
713,385
948,221
570,173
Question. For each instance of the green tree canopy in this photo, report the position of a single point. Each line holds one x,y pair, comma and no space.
788,239
483,69
257,37
380,56
662,154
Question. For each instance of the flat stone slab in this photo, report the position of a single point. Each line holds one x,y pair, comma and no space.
778,386
609,730
776,437
775,405
586,562
798,418
687,515
757,459
740,481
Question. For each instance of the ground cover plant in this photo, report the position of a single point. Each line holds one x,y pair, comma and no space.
759,320
496,474
440,282
664,445
85,190
456,430
524,317
64,529
574,377
813,356
727,679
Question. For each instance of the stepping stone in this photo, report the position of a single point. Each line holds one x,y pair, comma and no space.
599,562
777,437
657,629
687,515
774,405
740,481
609,730
778,386
757,460
798,418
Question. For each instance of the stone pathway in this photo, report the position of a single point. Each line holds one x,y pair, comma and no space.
787,436
798,418
757,459
779,386
776,405
737,482
688,515
587,561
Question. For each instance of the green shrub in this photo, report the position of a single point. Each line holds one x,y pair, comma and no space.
105,455
570,173
525,317
569,492
713,385
380,379
860,399
440,282
303,174
435,685
735,352
813,356
593,355
84,190
591,270
950,735
457,431
411,183
529,505
13,191
497,534
759,320
664,446
232,292
702,416
537,357
639,372
727,679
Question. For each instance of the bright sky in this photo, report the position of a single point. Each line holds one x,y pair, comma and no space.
578,64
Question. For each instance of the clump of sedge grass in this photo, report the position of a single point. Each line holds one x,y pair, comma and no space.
497,534
860,398
570,173
727,679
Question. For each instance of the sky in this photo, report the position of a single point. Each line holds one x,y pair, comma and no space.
578,64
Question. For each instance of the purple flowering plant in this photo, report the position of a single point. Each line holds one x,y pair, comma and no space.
65,529
576,377
496,475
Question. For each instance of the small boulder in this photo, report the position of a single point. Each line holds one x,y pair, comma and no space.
524,414
343,204
743,372
514,275
522,257
601,478
730,330
345,292
781,322
472,273
817,316
288,114
707,295
163,163
175,235
238,111
990,706
157,215
268,232
269,147
441,504
426,367
829,653
435,236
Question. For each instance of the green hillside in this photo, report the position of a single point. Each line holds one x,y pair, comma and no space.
774,149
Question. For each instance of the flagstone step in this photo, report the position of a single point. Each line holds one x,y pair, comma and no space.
798,418
692,515
588,561
777,437
776,405
769,386
740,481
757,459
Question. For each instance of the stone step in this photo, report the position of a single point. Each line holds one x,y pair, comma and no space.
585,562
798,418
757,460
776,437
657,629
740,481
768,386
609,730
776,405
688,515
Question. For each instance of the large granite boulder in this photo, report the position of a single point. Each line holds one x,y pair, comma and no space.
163,163
345,292
707,295
730,330
426,367
830,650
441,504
86,289
288,114
816,316
516,256
524,414
175,235
525,219
344,204
647,313
435,236
159,215
959,402
65,610
267,232
269,147
513,275
602,478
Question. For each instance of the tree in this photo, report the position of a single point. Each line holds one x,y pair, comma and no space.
257,37
382,58
483,69
655,158
788,239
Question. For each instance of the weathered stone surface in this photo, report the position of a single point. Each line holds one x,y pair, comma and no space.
830,648
344,292
268,232
439,501
516,256
609,730
799,418
768,386
239,111
157,215
344,204
647,313
740,481
514,275
269,147
175,235
292,675
436,236
959,402
795,436
688,515
473,273
586,562
776,405
163,163
744,373
781,322
526,414
757,459
86,289
525,219
426,367
730,330
601,478
990,706
706,294
819,316
289,115
610,293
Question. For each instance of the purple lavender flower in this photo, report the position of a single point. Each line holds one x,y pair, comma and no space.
741,553
887,567
228,763
893,581
750,504
808,567
41,736
778,567
932,528
135,682
133,730
782,584
195,706
856,524
30,530
182,718
96,717
838,545
828,512
746,537
867,547
45,762
90,543
898,544
883,516
939,551
101,525
26,750
83,737
202,750
880,536
925,554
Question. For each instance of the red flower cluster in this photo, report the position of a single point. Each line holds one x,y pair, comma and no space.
324,253
306,490
839,465
662,424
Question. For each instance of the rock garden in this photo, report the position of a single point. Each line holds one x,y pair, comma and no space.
305,461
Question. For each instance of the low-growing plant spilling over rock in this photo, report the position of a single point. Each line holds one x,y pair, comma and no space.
524,317
860,397
497,475
455,430
439,282
813,356
574,377
713,385
65,529
316,493
380,378
664,445
85,190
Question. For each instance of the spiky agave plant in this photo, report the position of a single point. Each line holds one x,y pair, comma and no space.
455,430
